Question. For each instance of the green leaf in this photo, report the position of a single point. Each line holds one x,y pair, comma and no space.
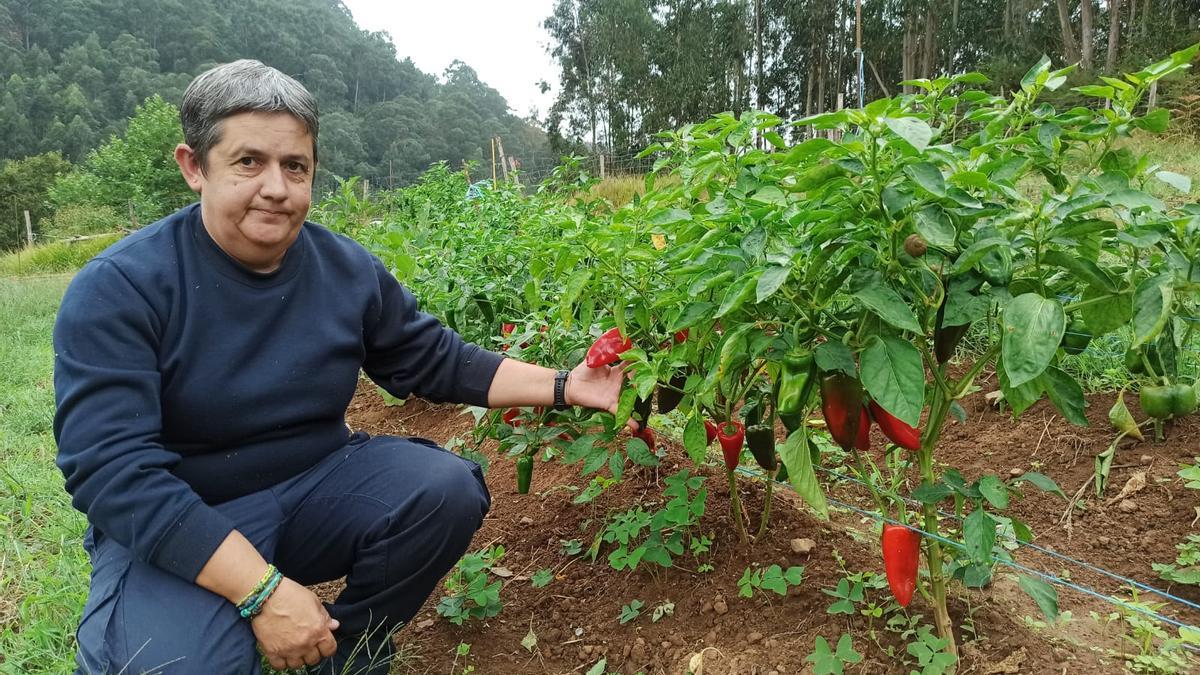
1066,395
1152,307
927,176
932,493
894,376
1136,199
1019,398
624,407
975,252
693,312
671,216
640,453
803,478
979,534
771,280
1082,268
994,490
1030,79
964,307
1043,594
1040,481
887,303
935,227
1095,90
737,295
1176,180
845,650
770,195
916,132
1033,329
1155,121
1108,314
694,439
575,286
831,356
599,668
542,578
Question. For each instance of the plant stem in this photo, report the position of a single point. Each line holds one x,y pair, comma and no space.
938,410
735,508
766,511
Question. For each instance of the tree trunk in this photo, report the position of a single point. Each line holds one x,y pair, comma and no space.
908,50
760,95
1132,16
1007,20
1114,35
1086,38
930,46
1070,47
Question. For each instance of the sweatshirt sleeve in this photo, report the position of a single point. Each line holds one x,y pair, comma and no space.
108,426
411,352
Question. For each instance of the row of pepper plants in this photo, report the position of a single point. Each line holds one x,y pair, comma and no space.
762,284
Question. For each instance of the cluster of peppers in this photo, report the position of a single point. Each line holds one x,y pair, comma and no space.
1169,400
848,421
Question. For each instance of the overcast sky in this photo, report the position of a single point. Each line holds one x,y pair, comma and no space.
503,41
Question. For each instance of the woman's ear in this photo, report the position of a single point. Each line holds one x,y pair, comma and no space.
189,166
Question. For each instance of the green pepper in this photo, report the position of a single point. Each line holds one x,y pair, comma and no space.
1136,365
761,439
1076,338
1166,401
795,384
946,338
524,473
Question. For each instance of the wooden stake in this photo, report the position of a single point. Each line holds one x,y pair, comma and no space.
28,230
493,162
503,164
601,166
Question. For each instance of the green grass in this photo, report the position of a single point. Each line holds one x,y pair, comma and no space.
59,256
43,567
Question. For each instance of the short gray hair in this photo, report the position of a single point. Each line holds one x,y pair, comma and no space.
238,87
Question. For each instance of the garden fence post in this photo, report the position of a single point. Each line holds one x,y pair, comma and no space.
602,166
28,229
503,163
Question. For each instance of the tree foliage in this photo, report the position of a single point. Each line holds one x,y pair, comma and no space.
73,72
631,68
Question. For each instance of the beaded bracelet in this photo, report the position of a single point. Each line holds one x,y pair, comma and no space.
254,607
262,583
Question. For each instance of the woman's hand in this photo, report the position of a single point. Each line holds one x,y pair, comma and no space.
294,630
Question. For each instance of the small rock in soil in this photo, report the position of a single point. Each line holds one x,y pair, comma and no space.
1146,459
526,520
1105,541
665,644
1128,505
422,625
754,637
710,637
677,640
706,607
719,605
804,545
1015,471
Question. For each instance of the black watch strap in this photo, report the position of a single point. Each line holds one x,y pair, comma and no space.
560,390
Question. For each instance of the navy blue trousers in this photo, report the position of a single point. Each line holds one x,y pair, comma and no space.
391,515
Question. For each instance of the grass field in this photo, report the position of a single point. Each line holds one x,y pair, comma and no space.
43,568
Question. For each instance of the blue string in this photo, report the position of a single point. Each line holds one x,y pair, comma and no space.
994,559
1049,552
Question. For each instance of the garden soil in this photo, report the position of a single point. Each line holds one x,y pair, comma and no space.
573,622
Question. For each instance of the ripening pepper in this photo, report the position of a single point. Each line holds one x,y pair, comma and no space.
670,396
710,432
946,338
898,432
841,402
641,409
862,440
761,440
732,436
510,417
607,348
901,558
795,383
647,435
524,473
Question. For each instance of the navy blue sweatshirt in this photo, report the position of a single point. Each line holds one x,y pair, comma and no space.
183,379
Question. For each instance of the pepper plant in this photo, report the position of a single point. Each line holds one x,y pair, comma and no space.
876,252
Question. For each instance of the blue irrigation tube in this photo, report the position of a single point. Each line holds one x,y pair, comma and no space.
1013,564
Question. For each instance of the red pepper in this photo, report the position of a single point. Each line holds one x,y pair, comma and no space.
681,335
863,440
901,557
510,417
898,432
605,350
841,402
710,431
507,329
731,436
646,434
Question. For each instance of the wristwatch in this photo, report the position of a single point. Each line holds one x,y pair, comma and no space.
560,390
